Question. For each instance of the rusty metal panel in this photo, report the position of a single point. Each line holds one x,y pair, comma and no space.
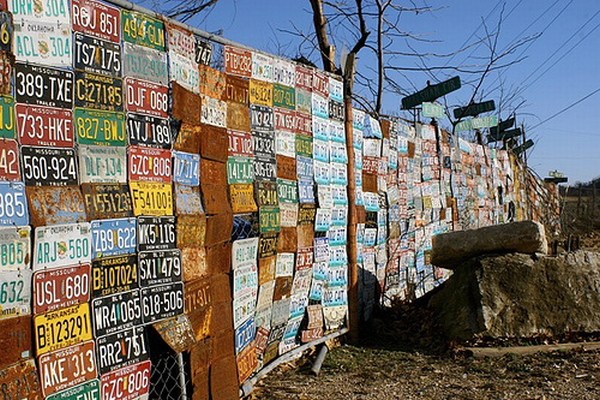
221,319
286,167
218,228
238,116
7,64
288,240
237,90
214,143
187,199
194,263
212,82
200,357
197,295
218,258
191,231
20,381
105,201
15,340
212,173
55,205
186,105
266,269
216,200
283,287
188,138
177,332
369,182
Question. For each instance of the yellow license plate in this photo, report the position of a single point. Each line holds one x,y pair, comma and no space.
62,328
151,198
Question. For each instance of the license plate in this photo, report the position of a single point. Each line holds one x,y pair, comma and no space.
122,349
49,166
243,309
113,275
284,96
241,144
152,198
45,43
214,112
150,165
187,168
97,56
141,29
204,51
9,160
44,126
95,127
285,144
116,312
159,267
127,383
147,98
104,201
304,145
264,143
44,86
320,106
265,168
262,118
62,328
144,63
114,237
337,132
15,293
306,190
287,191
99,92
156,233
242,198
102,164
262,67
184,71
61,288
321,128
321,170
20,381
45,10
269,219
339,153
244,335
238,61
51,205
15,248
304,123
303,101
188,200
304,167
7,117
267,193
149,131
261,93
68,367
162,302
62,245
97,19
321,150
240,170
181,41
89,390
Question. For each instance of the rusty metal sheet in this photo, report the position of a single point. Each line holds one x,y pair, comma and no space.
237,90
288,240
15,340
197,295
200,357
218,228
67,367
177,332
191,231
104,201
247,362
188,138
216,199
194,263
212,173
7,63
220,321
266,269
214,143
286,167
242,198
55,205
186,105
20,381
308,335
238,116
283,287
218,258
238,61
212,82
187,199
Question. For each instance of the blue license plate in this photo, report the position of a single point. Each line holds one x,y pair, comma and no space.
13,207
114,237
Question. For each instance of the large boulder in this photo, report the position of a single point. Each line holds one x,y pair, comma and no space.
451,249
519,295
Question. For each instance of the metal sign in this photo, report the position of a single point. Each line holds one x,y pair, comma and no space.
122,349
89,390
286,167
99,92
150,131
148,164
204,52
306,190
15,247
127,383
474,109
9,160
49,87
61,288
50,205
104,201
321,150
145,63
147,97
242,198
47,166
502,126
102,164
505,135
68,367
238,117
162,301
484,122
238,61
262,118
433,110
114,237
521,148
20,380
113,275
45,43
187,200
214,112
98,56
186,168
44,126
62,245
62,328
15,293
116,312
143,30
97,19
431,92
160,267
156,233
241,144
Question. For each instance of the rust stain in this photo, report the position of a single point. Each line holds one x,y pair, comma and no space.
188,138
51,205
214,143
238,116
191,231
213,172
212,82
216,200
289,238
20,381
15,340
194,263
186,105
286,167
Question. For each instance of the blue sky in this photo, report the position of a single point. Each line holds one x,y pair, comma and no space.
568,28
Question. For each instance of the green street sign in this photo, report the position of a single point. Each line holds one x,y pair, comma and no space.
433,110
484,122
464,126
474,109
521,148
431,92
512,133
502,126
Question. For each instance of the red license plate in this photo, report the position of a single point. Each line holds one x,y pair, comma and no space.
60,288
238,61
241,144
304,123
127,383
147,98
97,19
285,120
45,126
150,164
9,160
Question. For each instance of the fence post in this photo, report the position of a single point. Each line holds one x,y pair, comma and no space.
579,202
182,382
593,203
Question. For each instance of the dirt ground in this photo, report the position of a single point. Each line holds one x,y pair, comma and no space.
405,359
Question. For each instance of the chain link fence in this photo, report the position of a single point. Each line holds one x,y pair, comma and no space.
170,379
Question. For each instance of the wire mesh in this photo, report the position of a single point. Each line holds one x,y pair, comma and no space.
165,382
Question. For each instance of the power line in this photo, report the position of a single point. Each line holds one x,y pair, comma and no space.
587,96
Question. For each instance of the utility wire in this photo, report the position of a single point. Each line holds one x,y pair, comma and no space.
587,96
